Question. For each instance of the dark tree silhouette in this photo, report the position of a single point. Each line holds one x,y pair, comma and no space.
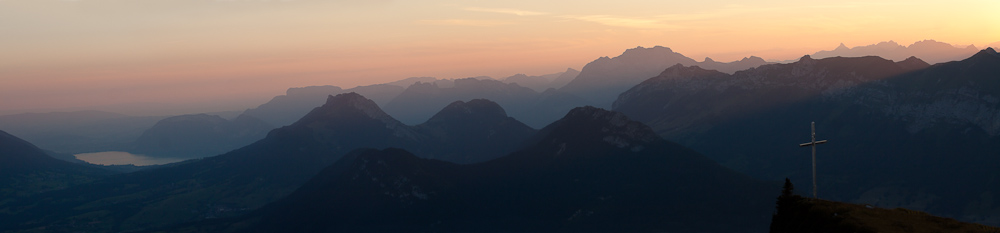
787,208
787,190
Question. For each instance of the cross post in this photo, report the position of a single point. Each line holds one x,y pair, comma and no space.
813,144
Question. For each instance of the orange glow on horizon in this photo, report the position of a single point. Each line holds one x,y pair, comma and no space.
60,54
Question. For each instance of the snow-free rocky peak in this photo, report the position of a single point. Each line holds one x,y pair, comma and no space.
351,108
841,47
595,124
481,109
355,102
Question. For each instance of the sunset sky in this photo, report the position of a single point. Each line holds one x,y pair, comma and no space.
216,55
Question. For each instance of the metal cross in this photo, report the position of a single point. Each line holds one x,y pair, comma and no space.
813,145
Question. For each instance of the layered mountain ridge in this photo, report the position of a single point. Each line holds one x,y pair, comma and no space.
601,80
928,50
571,177
199,135
246,178
534,109
543,82
902,134
286,109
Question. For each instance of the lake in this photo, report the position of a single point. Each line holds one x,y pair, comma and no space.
122,158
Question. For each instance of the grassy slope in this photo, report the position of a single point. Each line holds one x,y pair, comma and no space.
813,215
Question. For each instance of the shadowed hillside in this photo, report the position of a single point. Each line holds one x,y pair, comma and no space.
26,170
244,179
797,214
902,134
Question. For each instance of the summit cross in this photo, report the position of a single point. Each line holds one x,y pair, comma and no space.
813,144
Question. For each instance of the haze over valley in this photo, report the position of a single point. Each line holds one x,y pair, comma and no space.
515,116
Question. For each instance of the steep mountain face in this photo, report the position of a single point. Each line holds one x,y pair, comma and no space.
285,109
688,98
928,50
380,93
418,102
564,78
593,170
603,79
543,82
474,131
902,134
244,179
26,169
199,135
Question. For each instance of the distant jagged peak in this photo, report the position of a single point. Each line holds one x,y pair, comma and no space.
407,82
841,47
424,87
753,58
709,59
937,45
424,84
933,43
889,43
647,52
314,90
654,48
636,60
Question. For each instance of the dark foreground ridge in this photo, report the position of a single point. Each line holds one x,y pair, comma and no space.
822,216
